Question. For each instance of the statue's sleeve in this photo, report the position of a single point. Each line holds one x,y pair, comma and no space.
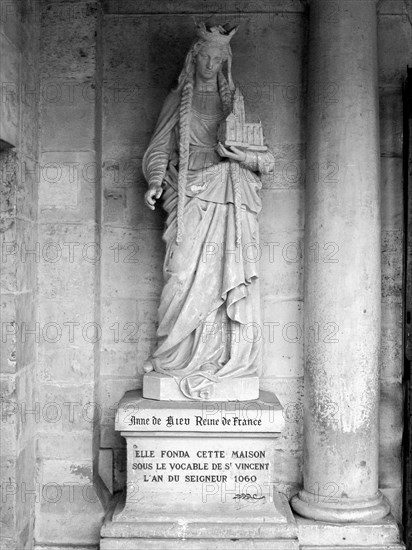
156,157
260,161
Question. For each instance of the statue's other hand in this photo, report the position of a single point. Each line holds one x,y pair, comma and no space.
151,195
233,153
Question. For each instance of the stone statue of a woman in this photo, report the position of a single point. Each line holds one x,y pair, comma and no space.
210,300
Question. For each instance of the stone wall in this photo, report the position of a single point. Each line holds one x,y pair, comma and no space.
69,274
19,31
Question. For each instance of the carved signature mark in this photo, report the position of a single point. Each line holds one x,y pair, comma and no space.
247,496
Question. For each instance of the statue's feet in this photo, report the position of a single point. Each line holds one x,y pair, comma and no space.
210,368
148,367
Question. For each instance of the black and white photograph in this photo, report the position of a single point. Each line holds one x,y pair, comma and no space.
206,274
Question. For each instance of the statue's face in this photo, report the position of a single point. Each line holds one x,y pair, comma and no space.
208,62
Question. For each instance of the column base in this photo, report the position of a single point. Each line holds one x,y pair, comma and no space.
338,510
378,535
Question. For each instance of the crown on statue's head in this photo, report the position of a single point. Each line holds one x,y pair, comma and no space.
215,35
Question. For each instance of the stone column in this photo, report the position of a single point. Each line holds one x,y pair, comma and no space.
342,267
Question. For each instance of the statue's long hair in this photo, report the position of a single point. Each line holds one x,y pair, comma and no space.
185,86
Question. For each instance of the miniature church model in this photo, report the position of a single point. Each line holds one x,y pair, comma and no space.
234,130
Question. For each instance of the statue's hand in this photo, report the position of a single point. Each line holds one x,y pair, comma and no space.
233,153
151,195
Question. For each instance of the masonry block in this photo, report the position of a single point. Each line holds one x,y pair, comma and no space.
392,266
395,41
68,184
391,357
132,263
280,265
10,78
68,43
392,193
66,122
390,433
282,335
290,394
390,120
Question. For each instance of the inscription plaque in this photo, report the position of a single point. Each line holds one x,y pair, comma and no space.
206,474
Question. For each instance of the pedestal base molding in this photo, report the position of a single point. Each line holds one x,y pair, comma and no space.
199,544
169,533
310,535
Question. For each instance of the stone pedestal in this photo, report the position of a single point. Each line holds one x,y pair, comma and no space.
198,471
371,535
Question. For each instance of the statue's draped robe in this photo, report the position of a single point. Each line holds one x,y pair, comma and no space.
209,314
